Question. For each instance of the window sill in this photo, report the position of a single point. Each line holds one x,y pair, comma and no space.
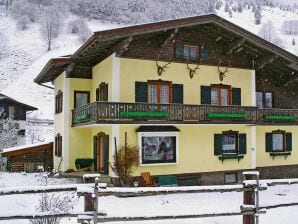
285,154
230,156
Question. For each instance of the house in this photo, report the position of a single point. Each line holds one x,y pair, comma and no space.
202,98
12,121
28,158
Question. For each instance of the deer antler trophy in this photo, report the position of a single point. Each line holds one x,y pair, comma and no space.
222,73
192,71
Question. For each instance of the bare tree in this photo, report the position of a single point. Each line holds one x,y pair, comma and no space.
22,22
268,32
80,27
3,44
50,27
8,133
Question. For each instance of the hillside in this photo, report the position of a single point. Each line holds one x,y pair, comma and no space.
26,52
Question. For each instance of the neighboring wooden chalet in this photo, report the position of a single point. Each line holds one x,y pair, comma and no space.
200,97
28,158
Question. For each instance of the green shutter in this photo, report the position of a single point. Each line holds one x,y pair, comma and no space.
141,92
179,50
242,144
95,152
106,154
105,92
236,96
177,93
269,142
217,144
205,95
97,94
288,141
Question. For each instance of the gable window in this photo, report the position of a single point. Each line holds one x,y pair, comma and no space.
158,92
81,98
102,92
58,102
186,51
229,143
58,145
158,144
278,141
264,99
221,95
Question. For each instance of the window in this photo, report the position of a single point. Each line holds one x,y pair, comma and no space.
229,142
102,92
222,95
58,102
158,147
158,92
264,99
22,132
11,110
231,178
186,51
81,98
17,125
58,145
278,141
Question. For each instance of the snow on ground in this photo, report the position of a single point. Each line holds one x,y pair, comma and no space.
173,204
246,20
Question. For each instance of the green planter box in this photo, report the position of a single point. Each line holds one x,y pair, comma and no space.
227,115
143,114
82,117
280,117
227,157
285,154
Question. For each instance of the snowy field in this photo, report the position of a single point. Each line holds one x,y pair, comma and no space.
173,204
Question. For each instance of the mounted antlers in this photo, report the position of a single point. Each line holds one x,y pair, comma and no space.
222,73
192,71
161,69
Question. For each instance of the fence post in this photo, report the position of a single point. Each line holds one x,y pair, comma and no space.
95,201
89,200
250,207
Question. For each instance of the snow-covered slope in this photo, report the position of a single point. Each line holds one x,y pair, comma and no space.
246,20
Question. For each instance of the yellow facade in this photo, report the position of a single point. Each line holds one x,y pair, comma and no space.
196,142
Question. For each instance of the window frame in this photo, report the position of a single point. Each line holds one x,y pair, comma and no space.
158,134
219,88
264,98
236,135
58,145
100,92
188,46
58,102
158,85
81,92
283,133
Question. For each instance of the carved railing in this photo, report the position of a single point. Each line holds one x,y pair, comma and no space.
101,112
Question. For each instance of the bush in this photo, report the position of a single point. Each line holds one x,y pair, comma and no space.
124,160
80,27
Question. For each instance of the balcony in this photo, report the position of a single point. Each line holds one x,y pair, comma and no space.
134,113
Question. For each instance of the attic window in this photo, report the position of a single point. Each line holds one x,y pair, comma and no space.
186,51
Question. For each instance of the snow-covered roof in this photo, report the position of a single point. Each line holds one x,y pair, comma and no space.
7,98
22,147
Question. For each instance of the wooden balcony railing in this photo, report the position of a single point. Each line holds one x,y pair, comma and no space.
105,112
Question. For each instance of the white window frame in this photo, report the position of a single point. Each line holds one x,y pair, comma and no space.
157,134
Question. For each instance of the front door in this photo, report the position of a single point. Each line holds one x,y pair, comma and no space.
101,153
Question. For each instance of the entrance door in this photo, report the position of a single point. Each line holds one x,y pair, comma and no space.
101,153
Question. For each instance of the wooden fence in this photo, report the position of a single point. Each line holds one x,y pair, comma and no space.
249,210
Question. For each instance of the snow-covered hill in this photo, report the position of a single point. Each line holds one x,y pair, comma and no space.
26,53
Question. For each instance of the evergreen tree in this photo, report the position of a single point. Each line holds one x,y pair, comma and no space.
293,42
227,7
258,16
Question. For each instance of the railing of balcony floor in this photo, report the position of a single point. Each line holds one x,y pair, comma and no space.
277,115
110,111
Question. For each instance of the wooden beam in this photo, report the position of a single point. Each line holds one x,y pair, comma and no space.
123,46
264,61
218,38
170,37
294,66
234,45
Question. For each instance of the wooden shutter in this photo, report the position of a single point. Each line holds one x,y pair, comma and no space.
242,143
56,104
179,50
288,141
97,94
105,92
269,145
106,154
177,93
205,95
141,92
236,96
217,144
56,146
95,152
60,146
